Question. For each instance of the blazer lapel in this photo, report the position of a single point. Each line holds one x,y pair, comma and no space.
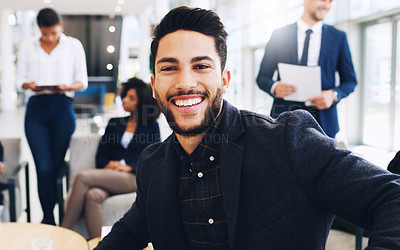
164,210
231,163
121,126
292,37
327,48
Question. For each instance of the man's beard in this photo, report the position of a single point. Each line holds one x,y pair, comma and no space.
315,16
209,117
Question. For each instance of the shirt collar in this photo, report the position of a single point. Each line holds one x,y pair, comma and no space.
302,26
63,38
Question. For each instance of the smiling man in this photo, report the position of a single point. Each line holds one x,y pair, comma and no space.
233,179
188,84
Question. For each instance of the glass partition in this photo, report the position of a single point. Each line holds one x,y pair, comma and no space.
396,139
377,84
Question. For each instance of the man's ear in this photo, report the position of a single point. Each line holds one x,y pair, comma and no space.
152,85
226,78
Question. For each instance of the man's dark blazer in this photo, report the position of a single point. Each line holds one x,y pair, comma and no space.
1,152
110,147
334,56
282,181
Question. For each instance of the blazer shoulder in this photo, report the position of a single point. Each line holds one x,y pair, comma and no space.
297,118
334,31
118,120
285,30
254,117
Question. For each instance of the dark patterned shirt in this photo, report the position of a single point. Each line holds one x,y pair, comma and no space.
200,193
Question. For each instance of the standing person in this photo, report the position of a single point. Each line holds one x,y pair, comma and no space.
327,47
233,179
116,157
50,68
3,186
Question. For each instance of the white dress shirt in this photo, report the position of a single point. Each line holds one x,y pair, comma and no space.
315,41
126,139
314,46
65,64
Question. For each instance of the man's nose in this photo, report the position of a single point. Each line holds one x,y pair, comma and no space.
186,80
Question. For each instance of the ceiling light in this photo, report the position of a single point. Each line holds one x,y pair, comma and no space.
111,29
110,49
47,1
12,19
118,8
109,66
121,2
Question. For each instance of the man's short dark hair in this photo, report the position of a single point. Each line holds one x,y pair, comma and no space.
48,17
147,108
204,21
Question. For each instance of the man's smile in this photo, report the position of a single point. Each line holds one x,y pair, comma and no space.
187,103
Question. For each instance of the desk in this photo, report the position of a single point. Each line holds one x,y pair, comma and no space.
19,236
93,243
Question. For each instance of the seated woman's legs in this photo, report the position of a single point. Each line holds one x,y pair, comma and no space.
93,211
110,181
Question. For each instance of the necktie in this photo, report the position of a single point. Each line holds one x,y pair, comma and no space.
304,56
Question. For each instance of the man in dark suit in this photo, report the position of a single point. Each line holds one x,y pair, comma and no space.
2,185
231,179
327,47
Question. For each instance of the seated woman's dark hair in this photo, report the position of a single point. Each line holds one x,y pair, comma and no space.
147,108
48,17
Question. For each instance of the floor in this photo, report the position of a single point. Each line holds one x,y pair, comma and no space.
12,125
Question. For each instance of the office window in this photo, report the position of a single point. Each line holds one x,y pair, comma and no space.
262,100
377,83
360,8
396,138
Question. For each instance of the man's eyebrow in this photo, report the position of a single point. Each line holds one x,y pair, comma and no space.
201,58
168,60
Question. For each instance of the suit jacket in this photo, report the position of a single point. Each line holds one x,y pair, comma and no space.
110,147
334,56
1,152
282,181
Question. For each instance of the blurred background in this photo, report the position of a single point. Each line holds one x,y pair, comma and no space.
116,35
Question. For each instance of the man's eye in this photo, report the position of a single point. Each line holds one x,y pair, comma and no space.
168,69
201,67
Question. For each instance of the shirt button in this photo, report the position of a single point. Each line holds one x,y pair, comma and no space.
212,158
200,174
210,221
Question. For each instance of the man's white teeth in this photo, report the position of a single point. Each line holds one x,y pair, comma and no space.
187,102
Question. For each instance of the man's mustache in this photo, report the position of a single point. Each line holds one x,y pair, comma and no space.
190,92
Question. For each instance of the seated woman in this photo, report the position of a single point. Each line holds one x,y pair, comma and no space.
116,157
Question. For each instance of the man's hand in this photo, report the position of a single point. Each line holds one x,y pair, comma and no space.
324,100
1,167
284,89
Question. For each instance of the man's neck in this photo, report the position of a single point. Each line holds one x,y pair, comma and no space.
309,20
190,143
